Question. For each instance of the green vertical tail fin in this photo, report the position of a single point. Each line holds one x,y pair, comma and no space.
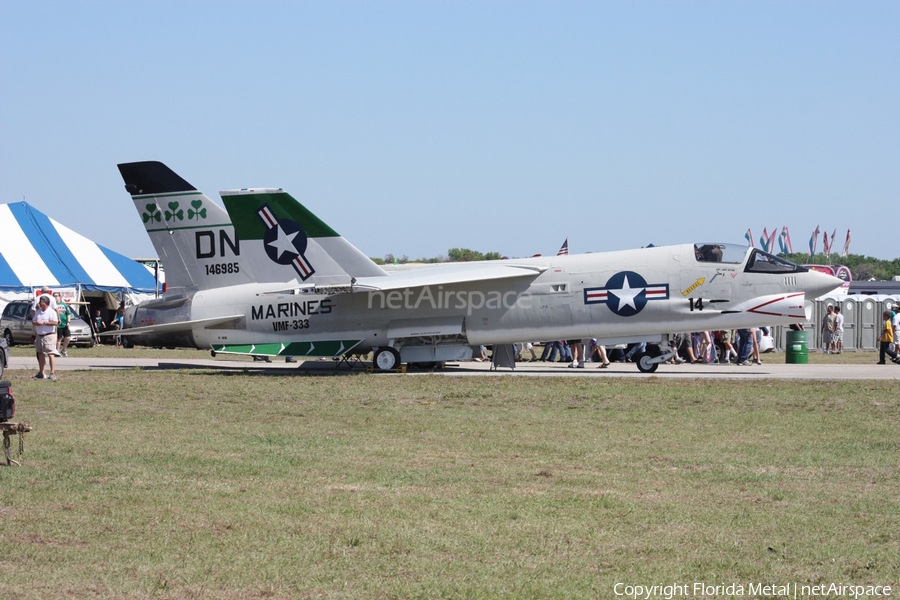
284,240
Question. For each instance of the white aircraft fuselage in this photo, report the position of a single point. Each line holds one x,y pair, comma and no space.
631,295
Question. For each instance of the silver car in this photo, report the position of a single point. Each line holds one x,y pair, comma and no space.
15,323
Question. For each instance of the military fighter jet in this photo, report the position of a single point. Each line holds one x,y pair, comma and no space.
280,282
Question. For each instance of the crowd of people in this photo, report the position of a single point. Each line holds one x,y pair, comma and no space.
741,347
831,332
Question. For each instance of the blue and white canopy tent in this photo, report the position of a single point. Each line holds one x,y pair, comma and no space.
36,250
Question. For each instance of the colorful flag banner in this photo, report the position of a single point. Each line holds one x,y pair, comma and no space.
771,244
764,240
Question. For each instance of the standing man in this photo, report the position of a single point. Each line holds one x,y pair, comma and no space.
827,329
577,347
837,338
45,321
744,347
63,333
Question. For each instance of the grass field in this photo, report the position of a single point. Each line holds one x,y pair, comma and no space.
195,484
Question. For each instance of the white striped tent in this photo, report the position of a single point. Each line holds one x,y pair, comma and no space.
36,250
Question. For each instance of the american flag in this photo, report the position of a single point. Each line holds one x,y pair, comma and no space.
564,249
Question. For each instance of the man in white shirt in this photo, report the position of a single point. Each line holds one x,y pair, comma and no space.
837,338
45,320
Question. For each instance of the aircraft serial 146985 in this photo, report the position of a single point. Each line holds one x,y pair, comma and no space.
281,282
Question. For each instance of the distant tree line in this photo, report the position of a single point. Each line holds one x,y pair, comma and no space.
453,255
862,267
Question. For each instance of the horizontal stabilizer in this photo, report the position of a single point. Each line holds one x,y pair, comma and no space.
174,327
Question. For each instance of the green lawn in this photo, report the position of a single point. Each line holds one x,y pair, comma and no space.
195,484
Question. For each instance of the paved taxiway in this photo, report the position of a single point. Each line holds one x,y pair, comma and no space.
773,368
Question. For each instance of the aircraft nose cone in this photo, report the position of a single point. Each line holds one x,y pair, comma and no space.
819,284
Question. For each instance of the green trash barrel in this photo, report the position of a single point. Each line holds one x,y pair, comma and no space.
797,350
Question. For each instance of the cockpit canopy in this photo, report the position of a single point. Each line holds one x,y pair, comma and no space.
758,261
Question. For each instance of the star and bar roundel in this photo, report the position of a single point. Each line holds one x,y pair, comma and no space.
285,242
626,293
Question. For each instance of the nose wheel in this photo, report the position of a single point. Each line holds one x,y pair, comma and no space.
649,360
646,364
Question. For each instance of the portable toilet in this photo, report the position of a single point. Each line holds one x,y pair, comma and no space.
869,320
889,302
850,310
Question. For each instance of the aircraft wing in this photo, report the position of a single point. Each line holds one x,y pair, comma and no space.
446,275
172,327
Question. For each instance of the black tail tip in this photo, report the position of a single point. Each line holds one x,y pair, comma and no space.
152,177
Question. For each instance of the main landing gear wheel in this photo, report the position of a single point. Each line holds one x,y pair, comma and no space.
386,359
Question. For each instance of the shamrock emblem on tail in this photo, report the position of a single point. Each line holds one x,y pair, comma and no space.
196,212
174,212
153,214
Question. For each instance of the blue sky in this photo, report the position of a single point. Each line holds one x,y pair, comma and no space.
414,127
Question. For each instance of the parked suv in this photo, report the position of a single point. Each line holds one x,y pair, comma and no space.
15,323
